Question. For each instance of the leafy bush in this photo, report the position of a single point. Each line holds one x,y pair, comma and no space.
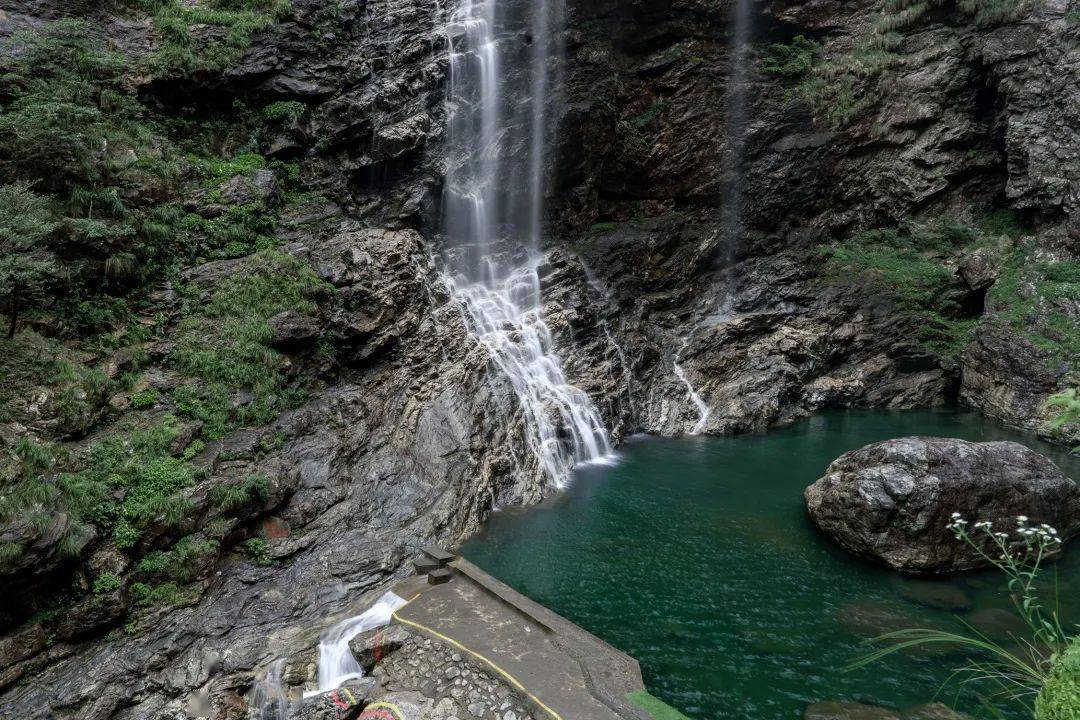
106,582
791,60
29,269
181,52
233,496
284,112
144,399
168,594
1033,298
258,550
1059,698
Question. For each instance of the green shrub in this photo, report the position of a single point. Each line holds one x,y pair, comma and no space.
165,595
106,582
229,497
258,550
283,112
1032,298
144,399
180,53
792,60
1059,698
907,264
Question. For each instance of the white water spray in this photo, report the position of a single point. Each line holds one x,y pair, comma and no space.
336,661
268,699
497,139
564,424
703,409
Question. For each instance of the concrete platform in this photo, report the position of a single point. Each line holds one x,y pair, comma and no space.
566,672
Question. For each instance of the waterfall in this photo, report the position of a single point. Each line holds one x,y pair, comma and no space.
699,403
336,661
504,56
268,699
735,120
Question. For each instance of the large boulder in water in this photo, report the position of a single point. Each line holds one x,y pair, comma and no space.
891,501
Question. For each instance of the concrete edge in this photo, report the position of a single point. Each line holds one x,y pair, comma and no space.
609,673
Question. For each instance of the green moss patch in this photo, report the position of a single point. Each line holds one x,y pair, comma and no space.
911,265
222,343
656,707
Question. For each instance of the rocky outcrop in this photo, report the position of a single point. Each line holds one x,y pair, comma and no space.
408,435
1007,377
891,501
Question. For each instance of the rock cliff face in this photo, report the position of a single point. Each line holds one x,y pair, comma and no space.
408,435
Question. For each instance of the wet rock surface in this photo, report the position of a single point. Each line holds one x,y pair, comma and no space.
891,501
410,436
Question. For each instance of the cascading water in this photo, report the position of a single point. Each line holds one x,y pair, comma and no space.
268,699
735,120
702,408
336,661
502,54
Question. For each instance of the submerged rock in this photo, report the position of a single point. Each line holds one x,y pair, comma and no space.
834,710
891,501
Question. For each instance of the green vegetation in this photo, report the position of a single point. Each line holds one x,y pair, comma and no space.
841,86
106,583
222,344
908,264
637,133
284,112
207,34
258,550
1032,297
1059,698
791,60
28,266
166,595
144,399
231,497
657,708
180,563
905,13
1044,664
140,464
81,164
1063,409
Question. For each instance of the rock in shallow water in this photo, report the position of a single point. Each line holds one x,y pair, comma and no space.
891,501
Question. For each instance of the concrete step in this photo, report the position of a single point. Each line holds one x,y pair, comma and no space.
438,554
440,576
425,565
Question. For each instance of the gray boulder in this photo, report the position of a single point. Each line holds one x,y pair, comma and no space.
292,327
344,703
891,501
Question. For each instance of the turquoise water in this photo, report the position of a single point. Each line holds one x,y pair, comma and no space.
696,557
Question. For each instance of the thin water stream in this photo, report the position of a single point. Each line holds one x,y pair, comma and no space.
696,557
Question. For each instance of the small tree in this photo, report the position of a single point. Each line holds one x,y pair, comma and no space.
28,267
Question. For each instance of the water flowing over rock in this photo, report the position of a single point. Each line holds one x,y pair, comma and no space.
891,501
336,661
497,137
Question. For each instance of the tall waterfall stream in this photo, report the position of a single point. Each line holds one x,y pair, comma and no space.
498,136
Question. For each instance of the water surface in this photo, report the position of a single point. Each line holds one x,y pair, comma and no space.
696,557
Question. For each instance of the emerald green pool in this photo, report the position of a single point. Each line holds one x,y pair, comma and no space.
696,557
